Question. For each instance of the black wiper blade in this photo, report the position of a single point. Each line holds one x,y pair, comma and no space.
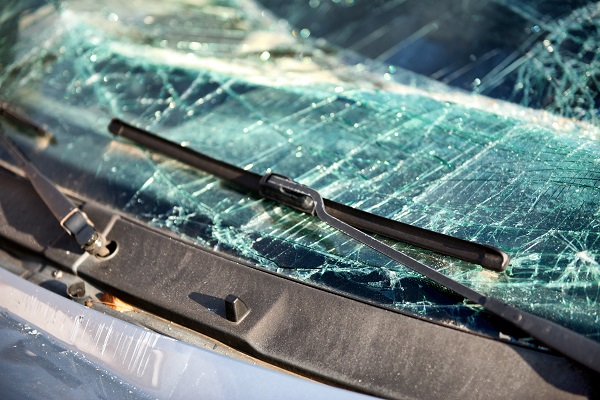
487,256
303,198
74,221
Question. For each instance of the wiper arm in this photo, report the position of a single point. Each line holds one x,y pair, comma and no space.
74,221
303,198
569,343
487,256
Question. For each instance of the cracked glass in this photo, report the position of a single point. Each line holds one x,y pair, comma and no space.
369,108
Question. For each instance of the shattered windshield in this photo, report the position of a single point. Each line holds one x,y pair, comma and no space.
513,161
540,54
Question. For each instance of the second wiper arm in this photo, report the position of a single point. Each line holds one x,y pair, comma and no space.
74,221
487,256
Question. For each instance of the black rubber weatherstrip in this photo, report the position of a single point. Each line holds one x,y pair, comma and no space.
487,256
